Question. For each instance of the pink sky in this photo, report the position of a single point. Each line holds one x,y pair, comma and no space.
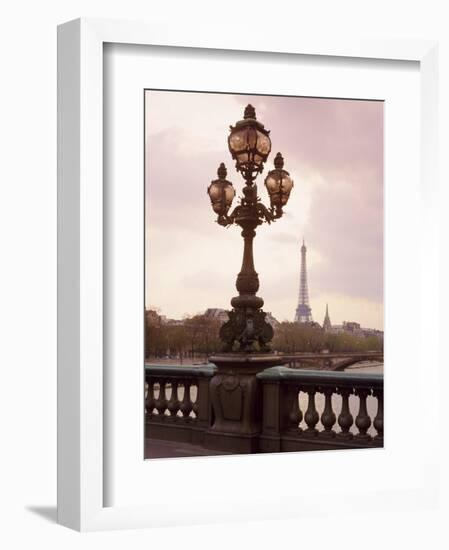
334,151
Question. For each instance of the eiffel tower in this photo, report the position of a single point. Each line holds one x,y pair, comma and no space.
303,311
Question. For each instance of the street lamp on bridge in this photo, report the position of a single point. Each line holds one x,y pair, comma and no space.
250,145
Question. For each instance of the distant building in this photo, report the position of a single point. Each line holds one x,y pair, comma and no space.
152,317
372,332
217,313
354,328
272,320
327,325
303,312
347,326
351,326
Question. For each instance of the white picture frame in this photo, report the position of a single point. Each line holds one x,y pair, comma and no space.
81,398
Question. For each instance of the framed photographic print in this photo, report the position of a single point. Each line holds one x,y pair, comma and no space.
233,275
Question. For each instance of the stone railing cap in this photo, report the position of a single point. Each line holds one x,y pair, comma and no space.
320,376
181,370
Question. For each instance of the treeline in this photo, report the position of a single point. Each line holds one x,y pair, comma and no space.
198,336
292,337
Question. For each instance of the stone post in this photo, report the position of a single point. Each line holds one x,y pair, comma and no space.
236,399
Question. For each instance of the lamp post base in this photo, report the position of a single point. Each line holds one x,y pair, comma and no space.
237,401
246,326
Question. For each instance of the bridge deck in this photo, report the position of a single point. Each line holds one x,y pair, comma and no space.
158,448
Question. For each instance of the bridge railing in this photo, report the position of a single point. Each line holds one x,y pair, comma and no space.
316,410
299,409
177,404
330,360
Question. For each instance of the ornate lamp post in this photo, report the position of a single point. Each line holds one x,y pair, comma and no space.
249,144
235,393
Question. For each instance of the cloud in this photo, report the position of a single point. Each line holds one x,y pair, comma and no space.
334,152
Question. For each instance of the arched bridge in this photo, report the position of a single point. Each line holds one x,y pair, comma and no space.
336,361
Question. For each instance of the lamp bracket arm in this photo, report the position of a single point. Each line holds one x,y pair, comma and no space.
226,220
268,215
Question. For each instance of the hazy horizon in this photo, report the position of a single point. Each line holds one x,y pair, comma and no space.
332,148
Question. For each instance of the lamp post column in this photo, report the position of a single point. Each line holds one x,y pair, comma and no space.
248,279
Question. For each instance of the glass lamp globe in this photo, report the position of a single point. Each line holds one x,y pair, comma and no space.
249,142
221,192
278,183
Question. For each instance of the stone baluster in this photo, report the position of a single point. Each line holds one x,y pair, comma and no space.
195,403
161,401
173,402
150,401
362,421
379,419
186,403
328,418
311,416
345,418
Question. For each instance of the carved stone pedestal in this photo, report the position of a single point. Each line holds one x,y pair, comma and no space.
237,401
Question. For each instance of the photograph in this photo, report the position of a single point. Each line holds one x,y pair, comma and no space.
266,337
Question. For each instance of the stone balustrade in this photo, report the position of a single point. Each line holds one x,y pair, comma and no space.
296,410
177,404
292,421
